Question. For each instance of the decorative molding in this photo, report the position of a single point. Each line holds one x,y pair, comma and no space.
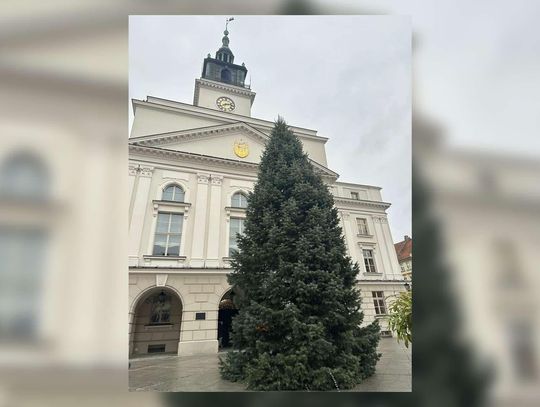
362,202
170,206
368,245
221,86
194,157
240,212
141,171
399,283
380,219
160,262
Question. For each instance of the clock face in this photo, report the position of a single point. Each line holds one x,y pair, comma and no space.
225,104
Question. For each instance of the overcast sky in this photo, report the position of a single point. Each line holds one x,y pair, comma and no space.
348,77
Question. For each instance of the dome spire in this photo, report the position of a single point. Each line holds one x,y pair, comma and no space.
225,39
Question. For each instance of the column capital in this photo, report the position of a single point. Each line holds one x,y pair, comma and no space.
216,179
143,171
203,178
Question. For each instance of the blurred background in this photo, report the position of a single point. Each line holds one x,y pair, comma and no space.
63,198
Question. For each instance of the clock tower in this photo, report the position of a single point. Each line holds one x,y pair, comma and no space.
222,84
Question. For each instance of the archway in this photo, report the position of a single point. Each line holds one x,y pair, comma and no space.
156,323
227,310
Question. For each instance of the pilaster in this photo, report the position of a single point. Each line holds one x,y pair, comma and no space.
201,204
214,227
141,188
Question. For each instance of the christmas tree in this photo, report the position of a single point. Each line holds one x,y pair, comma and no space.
298,327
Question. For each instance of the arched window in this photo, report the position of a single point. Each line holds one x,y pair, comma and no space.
23,176
173,193
239,200
226,75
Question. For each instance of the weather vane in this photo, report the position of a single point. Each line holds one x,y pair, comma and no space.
227,22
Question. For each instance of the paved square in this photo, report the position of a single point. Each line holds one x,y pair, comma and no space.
201,372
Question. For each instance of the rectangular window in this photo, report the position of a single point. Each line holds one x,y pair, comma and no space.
200,316
354,195
156,348
362,226
236,227
369,261
168,234
378,302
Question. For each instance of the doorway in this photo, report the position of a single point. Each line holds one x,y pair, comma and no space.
226,313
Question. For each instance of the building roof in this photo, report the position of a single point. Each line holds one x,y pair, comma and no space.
404,249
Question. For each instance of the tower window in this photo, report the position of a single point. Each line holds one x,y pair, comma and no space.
226,75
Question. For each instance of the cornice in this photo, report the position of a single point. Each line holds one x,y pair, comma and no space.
197,133
175,154
166,153
380,281
362,202
222,86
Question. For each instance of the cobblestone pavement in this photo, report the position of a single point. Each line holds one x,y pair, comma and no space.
201,372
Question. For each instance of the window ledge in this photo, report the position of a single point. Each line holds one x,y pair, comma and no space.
158,327
157,257
363,235
172,203
372,274
381,315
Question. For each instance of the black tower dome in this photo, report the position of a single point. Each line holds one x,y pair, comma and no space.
222,67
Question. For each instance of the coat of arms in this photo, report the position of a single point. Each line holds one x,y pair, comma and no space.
241,149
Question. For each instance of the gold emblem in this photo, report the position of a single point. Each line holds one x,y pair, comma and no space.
241,149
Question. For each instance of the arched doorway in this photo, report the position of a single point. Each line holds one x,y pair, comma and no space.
227,310
156,323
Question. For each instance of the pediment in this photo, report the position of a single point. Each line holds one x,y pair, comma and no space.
221,141
230,141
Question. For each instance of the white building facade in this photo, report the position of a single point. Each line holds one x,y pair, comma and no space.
191,167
